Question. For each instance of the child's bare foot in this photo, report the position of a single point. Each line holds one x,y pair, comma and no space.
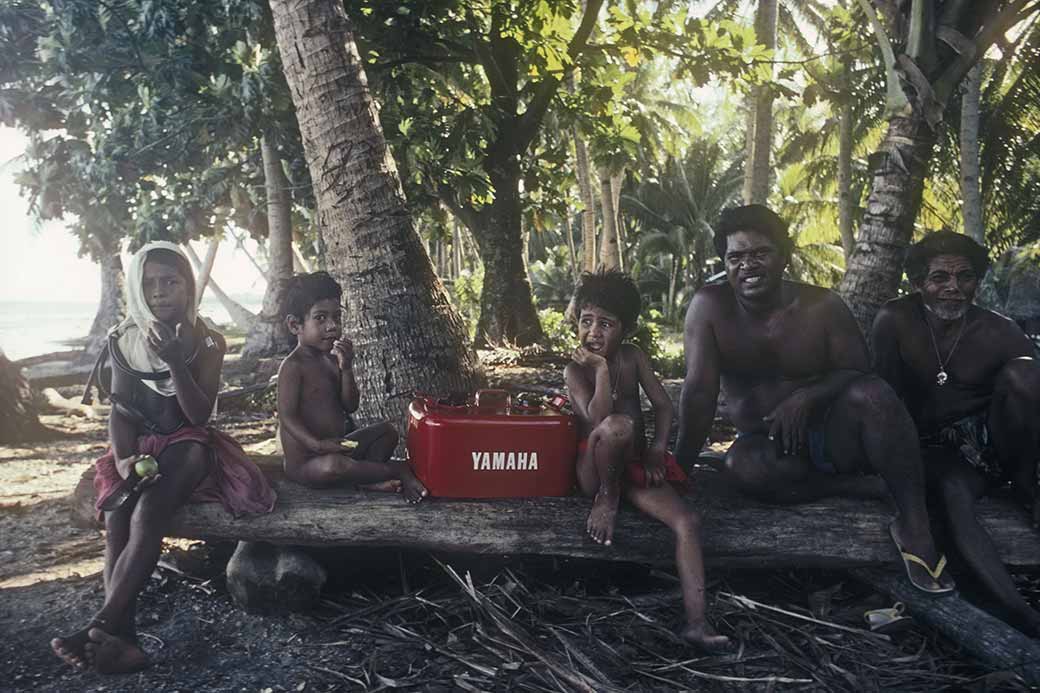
112,655
71,648
411,488
391,486
600,524
704,638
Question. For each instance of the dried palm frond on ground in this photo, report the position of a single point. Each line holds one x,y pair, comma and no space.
518,632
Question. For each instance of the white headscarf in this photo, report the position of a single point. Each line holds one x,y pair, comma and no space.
133,331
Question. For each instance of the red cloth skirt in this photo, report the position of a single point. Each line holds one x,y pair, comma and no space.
234,480
635,472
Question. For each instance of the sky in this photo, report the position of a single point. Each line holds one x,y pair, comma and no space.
40,263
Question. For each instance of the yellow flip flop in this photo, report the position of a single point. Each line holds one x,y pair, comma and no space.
909,558
889,620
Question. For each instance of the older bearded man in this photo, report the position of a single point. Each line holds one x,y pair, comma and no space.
969,379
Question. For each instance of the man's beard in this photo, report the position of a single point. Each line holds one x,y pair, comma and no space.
946,311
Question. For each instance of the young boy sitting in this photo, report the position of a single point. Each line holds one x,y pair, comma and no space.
613,459
317,394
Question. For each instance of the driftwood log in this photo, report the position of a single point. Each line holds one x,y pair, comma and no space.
736,530
985,637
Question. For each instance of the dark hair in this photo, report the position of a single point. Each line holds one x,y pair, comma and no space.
164,256
611,290
304,290
753,218
944,242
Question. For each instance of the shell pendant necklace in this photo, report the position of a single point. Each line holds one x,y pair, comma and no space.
942,377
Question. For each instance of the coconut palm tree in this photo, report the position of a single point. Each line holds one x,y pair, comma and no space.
675,212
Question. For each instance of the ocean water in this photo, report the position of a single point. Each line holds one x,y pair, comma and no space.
29,328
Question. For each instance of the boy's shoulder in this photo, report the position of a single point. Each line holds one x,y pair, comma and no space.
631,353
292,363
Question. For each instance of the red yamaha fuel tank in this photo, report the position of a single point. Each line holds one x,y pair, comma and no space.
491,448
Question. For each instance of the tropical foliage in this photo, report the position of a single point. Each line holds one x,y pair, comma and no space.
146,120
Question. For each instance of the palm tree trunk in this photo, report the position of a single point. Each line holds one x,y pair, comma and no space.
616,180
112,306
899,169
588,201
205,269
609,256
758,171
456,249
970,191
845,205
407,336
242,317
269,335
300,263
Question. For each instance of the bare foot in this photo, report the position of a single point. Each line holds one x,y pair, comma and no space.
924,549
114,655
71,648
391,486
600,524
411,488
703,637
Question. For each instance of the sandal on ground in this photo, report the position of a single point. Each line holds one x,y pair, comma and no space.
888,621
935,573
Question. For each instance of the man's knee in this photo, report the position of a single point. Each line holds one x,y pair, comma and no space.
387,430
618,429
1019,379
870,394
748,464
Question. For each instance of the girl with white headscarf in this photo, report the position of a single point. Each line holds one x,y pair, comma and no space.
165,377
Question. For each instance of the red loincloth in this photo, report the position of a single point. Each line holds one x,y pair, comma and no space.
635,472
235,480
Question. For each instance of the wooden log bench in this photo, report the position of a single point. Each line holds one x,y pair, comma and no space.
737,531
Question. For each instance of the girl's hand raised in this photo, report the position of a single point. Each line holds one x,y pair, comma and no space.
166,343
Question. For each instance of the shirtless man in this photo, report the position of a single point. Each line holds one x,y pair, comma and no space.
317,393
793,365
972,386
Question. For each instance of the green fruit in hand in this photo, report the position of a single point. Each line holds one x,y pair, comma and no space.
146,466
348,444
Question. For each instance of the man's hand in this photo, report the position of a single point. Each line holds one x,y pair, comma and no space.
584,357
343,350
166,343
333,446
654,466
789,423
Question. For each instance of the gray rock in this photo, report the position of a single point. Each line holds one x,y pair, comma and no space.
274,579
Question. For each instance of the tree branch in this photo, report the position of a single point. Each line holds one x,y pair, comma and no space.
465,213
991,31
546,89
496,80
896,102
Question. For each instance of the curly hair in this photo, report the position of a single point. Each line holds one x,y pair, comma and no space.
304,290
611,290
752,218
943,242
